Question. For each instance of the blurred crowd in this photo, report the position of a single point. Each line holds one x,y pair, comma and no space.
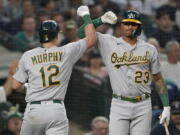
19,20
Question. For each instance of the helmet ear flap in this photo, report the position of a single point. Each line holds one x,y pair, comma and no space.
137,32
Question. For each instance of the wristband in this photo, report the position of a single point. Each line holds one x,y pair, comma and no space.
164,99
87,19
97,22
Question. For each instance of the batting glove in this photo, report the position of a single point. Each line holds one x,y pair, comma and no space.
109,17
83,10
165,116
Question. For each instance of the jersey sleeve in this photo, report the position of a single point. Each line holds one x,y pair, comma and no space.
21,72
2,95
76,49
103,45
155,64
101,39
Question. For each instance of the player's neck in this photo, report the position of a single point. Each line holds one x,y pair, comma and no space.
131,41
50,44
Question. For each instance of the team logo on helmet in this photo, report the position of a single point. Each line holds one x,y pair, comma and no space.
131,15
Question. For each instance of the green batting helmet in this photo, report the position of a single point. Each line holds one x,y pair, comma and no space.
133,17
48,31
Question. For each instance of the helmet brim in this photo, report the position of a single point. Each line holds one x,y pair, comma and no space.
132,20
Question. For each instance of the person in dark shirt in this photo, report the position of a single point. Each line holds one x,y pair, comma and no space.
13,124
70,33
174,126
171,8
108,5
165,31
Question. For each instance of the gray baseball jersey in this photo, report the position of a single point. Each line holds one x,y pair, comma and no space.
47,70
129,67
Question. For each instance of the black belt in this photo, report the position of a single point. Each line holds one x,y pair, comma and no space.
40,102
131,99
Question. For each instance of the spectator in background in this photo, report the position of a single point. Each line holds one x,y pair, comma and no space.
14,26
14,123
88,2
150,6
48,5
173,91
70,32
108,6
62,5
99,126
170,68
96,11
170,8
165,31
176,116
162,55
122,3
147,6
174,125
6,89
177,21
28,35
95,66
42,15
14,12
3,16
58,17
135,5
83,61
70,14
14,9
154,42
27,8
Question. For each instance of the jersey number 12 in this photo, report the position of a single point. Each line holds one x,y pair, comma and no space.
48,80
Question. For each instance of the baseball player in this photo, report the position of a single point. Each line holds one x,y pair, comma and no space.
47,70
131,63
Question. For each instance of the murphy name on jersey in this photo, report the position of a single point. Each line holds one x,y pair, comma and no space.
47,57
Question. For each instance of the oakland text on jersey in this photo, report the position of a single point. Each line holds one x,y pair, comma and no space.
129,59
47,57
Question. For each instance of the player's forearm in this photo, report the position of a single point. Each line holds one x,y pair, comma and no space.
16,84
80,32
8,85
161,88
90,32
